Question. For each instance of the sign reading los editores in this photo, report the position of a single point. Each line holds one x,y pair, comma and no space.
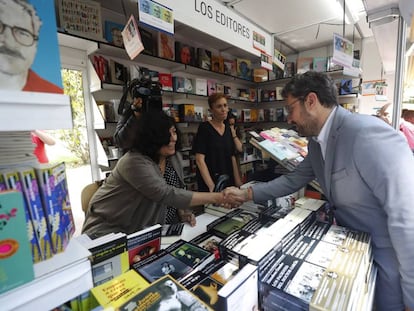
218,21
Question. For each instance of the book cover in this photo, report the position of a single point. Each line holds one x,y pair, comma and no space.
304,64
191,254
345,87
185,53
16,261
260,75
199,114
119,74
143,243
289,70
161,264
109,257
206,282
207,241
166,81
223,286
164,294
217,63
36,210
220,88
320,64
13,181
204,58
119,290
113,33
55,198
230,67
211,87
172,111
147,41
244,68
178,84
187,113
165,45
232,222
200,86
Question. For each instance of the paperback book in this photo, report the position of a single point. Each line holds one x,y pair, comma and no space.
179,259
143,243
119,290
171,233
164,294
16,261
55,198
13,181
109,256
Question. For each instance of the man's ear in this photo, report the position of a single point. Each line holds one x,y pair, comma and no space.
311,100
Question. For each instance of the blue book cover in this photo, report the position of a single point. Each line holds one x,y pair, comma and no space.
55,198
34,202
13,182
16,265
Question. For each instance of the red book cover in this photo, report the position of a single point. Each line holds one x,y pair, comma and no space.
166,81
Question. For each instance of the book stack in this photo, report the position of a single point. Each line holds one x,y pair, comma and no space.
324,261
16,148
285,146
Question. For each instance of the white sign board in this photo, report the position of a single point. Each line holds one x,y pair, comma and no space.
217,20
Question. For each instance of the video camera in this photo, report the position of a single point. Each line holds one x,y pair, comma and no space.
150,92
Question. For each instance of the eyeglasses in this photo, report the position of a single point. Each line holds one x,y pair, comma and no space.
21,35
288,109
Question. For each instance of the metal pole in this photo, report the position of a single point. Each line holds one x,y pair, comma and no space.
399,71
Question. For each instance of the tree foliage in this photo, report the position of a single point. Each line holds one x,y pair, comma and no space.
75,140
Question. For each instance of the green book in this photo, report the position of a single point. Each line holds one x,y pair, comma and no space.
16,264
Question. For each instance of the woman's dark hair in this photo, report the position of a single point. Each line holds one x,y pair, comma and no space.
153,133
319,83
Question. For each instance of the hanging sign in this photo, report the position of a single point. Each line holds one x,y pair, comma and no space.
343,51
156,15
216,20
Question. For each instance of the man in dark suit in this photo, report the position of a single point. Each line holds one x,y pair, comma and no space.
366,171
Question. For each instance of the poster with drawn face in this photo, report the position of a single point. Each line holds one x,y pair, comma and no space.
29,51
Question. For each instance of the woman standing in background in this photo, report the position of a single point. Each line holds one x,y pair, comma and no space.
214,148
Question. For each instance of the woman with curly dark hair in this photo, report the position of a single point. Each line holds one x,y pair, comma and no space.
135,195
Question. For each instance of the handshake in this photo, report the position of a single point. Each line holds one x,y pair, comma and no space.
232,197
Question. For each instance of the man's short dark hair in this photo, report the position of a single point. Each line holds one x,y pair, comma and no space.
317,82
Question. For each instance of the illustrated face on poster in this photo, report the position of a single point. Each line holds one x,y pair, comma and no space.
29,54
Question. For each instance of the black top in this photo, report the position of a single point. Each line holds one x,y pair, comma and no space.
218,150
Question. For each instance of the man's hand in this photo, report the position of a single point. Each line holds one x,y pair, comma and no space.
233,197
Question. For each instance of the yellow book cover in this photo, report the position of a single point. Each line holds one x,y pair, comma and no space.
119,290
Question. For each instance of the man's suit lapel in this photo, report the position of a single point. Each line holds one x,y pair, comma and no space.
331,146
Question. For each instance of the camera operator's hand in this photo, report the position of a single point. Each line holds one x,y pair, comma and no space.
136,106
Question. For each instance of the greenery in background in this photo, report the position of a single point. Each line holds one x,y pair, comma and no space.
75,140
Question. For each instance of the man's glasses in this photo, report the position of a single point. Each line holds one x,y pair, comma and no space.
21,35
288,109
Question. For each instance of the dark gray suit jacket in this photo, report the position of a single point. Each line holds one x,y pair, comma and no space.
368,176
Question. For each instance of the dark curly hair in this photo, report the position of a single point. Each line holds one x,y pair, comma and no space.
153,133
